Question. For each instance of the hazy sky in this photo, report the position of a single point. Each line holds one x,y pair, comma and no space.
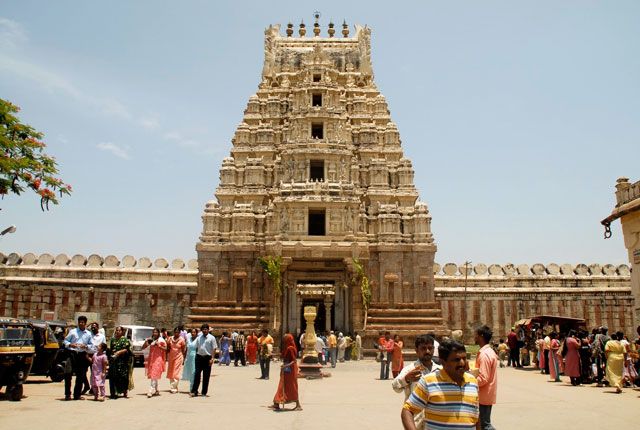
518,116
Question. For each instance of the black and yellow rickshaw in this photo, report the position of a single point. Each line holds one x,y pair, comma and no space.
47,351
16,354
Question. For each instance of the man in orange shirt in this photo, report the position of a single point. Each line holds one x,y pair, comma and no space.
332,342
265,346
487,375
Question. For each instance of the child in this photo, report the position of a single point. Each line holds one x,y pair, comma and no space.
99,366
502,351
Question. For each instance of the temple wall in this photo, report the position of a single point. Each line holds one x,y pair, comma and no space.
501,295
131,291
138,291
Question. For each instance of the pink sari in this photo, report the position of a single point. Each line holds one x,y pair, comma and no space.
155,362
554,362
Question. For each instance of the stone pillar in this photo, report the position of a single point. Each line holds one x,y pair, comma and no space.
328,303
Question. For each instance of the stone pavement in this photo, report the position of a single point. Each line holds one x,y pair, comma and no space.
351,398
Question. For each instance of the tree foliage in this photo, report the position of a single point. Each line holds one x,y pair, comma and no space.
361,278
272,267
24,165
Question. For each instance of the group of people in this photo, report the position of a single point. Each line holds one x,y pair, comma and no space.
332,348
444,392
180,356
596,357
390,354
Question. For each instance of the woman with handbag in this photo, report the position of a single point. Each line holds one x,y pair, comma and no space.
288,386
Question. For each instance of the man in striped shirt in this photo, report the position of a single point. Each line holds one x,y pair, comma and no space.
448,397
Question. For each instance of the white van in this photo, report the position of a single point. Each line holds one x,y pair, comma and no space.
137,334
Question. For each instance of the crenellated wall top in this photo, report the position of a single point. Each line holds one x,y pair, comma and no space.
536,270
127,262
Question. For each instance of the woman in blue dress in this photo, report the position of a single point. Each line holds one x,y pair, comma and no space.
189,369
225,344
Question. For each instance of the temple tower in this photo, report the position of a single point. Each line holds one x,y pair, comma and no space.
317,177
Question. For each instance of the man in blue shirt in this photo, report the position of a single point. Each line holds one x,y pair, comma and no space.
77,343
206,346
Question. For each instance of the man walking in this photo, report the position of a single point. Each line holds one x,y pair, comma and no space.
448,397
206,346
487,375
386,349
514,349
333,348
265,345
599,343
238,349
78,343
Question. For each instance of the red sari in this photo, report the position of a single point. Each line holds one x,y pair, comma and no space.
288,385
252,348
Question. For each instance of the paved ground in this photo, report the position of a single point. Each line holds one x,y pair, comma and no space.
351,398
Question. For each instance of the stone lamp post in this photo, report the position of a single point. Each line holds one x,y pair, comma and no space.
309,366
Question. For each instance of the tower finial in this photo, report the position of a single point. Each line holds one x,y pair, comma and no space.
302,31
316,24
289,30
345,29
331,30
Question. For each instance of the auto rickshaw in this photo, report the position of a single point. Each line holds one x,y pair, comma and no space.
47,352
16,354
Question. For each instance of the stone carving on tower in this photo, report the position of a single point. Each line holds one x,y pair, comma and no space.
317,176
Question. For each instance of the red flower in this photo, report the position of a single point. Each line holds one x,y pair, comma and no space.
37,183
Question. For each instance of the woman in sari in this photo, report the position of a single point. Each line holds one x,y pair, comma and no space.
177,351
225,344
572,358
397,362
342,347
121,365
540,347
616,356
252,348
554,360
189,370
288,385
154,365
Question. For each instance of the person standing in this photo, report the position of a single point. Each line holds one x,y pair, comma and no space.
397,361
554,360
121,366
599,342
206,346
487,375
572,358
99,367
332,343
155,360
78,343
189,369
287,391
265,345
616,356
225,344
448,397
386,349
342,347
358,347
238,349
252,348
503,350
412,372
514,349
177,351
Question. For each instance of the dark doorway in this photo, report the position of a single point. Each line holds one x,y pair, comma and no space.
317,222
239,292
316,100
316,170
317,130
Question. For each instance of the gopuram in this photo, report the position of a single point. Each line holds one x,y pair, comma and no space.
317,178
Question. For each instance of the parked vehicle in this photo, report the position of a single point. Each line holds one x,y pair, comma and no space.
137,334
17,349
49,359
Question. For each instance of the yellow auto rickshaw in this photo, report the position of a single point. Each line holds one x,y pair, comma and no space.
16,354
48,349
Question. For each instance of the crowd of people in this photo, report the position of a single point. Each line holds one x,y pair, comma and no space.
178,356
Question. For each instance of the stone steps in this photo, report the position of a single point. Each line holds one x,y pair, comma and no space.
402,321
229,318
423,305
228,311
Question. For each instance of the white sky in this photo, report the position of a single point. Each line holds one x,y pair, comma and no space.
518,117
